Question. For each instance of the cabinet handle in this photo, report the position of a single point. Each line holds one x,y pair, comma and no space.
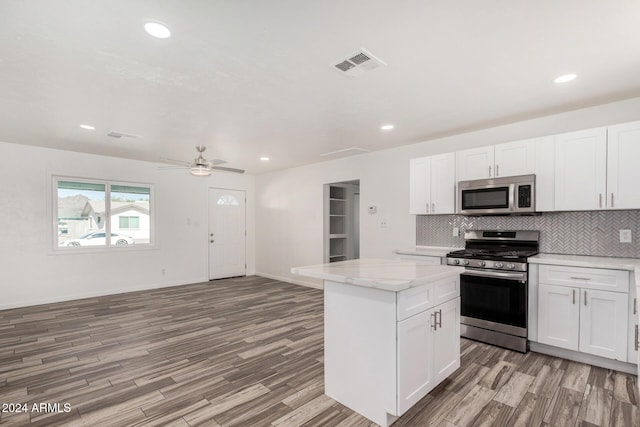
489,170
497,170
428,208
439,318
636,337
585,297
612,204
433,208
600,200
635,306
579,278
574,296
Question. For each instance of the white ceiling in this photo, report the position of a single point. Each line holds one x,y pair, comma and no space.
253,77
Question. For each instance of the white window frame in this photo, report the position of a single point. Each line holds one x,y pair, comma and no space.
107,228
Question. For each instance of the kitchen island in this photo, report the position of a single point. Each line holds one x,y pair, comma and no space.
391,332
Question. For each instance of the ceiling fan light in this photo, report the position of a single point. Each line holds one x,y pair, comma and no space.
200,171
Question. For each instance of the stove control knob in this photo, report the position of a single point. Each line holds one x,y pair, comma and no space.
482,263
499,265
457,261
511,266
465,262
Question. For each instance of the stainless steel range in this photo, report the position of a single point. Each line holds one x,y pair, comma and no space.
494,286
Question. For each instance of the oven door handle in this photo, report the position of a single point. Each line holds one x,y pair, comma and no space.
498,274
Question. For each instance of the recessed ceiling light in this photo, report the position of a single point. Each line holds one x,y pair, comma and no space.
87,127
157,30
264,158
565,78
386,127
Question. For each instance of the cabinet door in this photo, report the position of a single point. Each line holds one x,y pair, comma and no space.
623,173
446,340
603,323
515,158
545,173
414,363
632,352
581,170
443,183
558,316
419,186
476,163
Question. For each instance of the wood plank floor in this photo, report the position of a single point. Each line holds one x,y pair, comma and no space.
249,352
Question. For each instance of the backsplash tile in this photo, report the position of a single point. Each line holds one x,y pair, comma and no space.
579,233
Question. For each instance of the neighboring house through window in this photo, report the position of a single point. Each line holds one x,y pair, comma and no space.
102,213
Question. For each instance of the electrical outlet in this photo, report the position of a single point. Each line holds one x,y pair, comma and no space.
456,232
625,236
383,224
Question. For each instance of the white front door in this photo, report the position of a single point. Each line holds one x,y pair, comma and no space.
227,233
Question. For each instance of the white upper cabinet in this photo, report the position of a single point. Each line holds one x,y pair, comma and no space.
509,159
623,170
581,170
419,185
598,168
515,158
432,184
475,163
545,173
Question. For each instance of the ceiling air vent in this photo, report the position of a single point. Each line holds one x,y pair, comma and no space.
116,134
358,63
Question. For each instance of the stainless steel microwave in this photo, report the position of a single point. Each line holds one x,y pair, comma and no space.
498,196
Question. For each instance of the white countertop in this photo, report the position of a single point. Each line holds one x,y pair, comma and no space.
439,251
630,264
384,274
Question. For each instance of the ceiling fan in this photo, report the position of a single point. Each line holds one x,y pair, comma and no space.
200,166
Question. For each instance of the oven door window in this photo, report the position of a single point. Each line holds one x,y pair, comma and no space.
486,198
494,299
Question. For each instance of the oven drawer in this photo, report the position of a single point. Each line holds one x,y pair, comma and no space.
416,300
586,278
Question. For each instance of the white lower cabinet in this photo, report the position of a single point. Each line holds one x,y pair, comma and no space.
558,316
428,351
632,343
582,317
385,350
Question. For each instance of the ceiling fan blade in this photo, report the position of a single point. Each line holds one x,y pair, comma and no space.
173,167
179,162
222,168
217,161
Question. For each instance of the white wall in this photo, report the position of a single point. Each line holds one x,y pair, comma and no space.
289,203
31,272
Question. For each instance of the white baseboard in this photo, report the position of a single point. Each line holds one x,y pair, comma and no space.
602,362
101,293
290,280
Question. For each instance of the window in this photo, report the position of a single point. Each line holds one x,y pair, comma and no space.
129,222
101,214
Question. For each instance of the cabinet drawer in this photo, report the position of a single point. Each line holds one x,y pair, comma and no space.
415,300
586,278
446,289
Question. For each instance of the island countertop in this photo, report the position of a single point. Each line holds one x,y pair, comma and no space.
384,274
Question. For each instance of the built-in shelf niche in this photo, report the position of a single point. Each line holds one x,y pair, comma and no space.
341,221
